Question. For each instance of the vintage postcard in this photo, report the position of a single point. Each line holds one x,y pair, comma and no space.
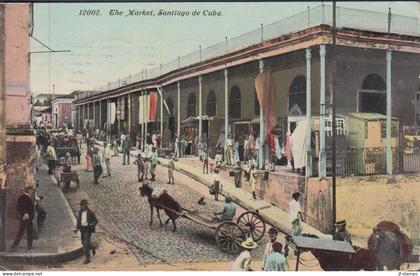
210,136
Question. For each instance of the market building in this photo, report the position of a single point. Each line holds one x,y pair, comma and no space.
220,89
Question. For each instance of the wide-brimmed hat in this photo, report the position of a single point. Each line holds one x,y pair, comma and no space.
340,223
273,230
249,244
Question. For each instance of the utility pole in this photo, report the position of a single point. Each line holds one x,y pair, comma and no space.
333,92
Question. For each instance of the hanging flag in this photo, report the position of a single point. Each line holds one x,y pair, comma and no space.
266,94
152,104
164,102
113,112
141,108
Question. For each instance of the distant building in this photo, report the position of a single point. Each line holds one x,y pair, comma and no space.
46,98
61,112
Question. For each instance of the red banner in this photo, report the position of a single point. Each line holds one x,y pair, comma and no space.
153,100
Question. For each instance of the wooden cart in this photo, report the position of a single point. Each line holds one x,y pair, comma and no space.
230,234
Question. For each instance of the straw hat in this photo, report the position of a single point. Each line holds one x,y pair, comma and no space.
249,244
340,223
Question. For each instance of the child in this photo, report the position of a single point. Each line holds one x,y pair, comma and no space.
140,167
171,168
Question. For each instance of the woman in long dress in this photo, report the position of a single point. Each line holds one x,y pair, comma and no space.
89,162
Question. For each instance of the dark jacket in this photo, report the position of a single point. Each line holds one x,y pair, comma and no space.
26,205
91,219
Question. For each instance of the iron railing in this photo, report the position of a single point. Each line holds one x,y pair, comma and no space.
346,18
361,161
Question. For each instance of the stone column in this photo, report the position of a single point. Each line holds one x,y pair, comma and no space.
146,111
388,113
261,155
129,114
108,120
141,110
226,104
200,107
322,115
308,114
178,122
161,118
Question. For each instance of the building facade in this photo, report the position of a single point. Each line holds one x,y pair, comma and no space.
62,112
18,139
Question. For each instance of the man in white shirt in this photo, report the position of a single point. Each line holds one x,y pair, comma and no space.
106,159
295,214
86,223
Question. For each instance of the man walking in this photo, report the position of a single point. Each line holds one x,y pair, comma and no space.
229,150
205,162
140,168
171,168
154,158
97,166
26,209
238,174
126,147
106,159
295,214
86,223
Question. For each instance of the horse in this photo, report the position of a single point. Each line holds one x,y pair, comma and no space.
390,245
364,259
163,201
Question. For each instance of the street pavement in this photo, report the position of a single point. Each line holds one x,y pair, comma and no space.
119,199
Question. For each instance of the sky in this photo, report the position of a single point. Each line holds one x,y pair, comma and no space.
105,48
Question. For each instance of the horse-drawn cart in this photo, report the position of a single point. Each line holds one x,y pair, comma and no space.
230,234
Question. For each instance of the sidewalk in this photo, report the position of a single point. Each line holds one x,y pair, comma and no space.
57,242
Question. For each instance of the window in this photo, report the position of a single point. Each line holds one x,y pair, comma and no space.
235,103
211,104
297,96
374,82
372,97
191,105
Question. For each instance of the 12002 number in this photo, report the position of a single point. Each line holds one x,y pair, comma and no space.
90,12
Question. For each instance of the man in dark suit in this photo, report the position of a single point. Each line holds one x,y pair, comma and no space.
86,223
26,209
126,147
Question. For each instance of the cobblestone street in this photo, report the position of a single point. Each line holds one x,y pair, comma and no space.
118,199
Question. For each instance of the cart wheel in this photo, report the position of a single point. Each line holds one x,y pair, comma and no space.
229,236
252,223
